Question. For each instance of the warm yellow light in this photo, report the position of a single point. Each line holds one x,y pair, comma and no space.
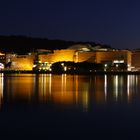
65,68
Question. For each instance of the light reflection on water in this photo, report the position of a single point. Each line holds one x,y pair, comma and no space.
69,90
1,89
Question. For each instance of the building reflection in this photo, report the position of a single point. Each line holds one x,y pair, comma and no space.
63,90
105,86
120,87
100,86
1,89
132,86
69,90
18,87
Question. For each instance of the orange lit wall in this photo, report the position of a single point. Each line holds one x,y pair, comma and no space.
114,55
22,63
58,55
136,59
86,56
67,55
75,56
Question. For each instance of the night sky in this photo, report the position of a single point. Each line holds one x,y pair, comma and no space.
111,22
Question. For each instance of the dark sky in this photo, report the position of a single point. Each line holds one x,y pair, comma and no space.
112,22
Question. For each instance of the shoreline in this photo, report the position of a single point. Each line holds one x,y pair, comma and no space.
71,73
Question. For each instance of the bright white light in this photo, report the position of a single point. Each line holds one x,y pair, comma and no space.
65,68
105,65
118,61
116,86
1,66
34,66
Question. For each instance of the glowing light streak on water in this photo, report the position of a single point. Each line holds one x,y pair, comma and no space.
105,86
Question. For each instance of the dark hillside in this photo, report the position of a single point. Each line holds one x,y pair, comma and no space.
23,44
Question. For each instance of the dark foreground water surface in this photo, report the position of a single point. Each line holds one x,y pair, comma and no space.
46,106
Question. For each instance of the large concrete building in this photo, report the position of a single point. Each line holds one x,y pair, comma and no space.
19,62
77,53
2,61
85,53
136,60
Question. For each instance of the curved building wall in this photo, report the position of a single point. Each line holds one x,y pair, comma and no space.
87,56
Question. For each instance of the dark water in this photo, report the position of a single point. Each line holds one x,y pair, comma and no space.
69,107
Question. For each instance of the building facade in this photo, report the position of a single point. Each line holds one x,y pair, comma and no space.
19,62
43,59
108,58
136,60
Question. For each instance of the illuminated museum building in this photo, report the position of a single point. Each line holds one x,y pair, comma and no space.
86,53
136,60
43,59
19,62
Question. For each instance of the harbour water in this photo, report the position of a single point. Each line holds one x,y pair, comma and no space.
69,106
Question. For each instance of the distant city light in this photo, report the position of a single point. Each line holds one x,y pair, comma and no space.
118,61
1,66
65,68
